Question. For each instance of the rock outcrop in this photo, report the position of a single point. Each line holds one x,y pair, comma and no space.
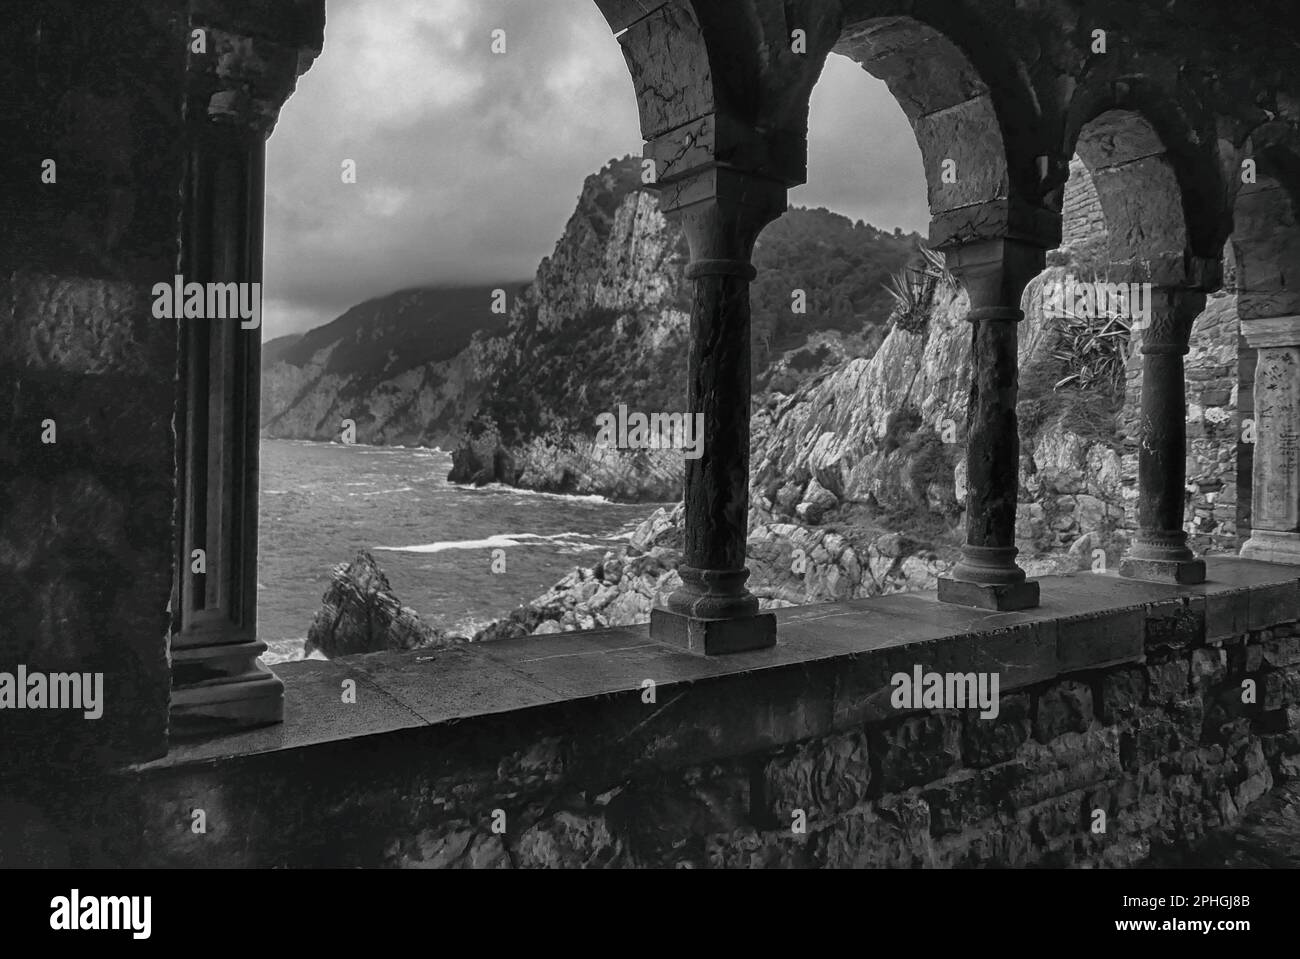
361,615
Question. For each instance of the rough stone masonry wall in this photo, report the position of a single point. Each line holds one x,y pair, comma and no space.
1213,427
87,458
1082,218
1165,750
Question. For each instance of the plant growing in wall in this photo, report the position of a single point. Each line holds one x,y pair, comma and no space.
913,289
1094,346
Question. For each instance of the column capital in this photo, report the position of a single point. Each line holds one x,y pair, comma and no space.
722,211
239,74
995,273
1170,312
1271,331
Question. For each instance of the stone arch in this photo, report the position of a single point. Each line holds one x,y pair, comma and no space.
668,59
724,86
1131,131
948,104
1142,204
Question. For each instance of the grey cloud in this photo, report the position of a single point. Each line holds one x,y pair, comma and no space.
469,163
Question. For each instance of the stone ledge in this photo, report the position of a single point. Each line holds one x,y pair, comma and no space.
829,670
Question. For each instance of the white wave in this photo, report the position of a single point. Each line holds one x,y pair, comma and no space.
516,491
501,540
381,492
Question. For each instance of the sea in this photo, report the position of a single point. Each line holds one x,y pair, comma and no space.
323,502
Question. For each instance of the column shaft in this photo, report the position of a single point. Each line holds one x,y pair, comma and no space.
713,612
994,273
218,680
717,484
1159,550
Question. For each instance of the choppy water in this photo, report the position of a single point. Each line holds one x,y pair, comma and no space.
321,503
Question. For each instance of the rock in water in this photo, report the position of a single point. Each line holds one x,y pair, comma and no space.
361,615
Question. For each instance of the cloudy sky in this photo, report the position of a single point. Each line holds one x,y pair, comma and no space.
468,163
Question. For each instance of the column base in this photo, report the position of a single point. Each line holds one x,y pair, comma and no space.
220,689
713,637
1270,546
1003,597
1184,572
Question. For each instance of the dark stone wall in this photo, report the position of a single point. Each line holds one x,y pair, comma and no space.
86,522
1159,738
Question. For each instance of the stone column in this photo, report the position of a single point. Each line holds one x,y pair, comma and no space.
1159,551
1275,477
237,83
994,273
217,679
722,212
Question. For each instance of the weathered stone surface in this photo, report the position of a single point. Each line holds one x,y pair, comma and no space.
670,821
1208,668
876,838
962,802
1280,688
568,840
917,750
821,778
1281,651
1167,681
750,849
1122,691
457,845
985,742
1064,707
1175,625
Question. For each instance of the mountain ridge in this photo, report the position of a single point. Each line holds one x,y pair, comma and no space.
604,320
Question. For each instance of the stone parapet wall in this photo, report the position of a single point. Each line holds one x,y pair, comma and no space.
1127,703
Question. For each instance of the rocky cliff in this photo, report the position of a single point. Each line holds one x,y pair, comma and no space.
605,324
408,368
